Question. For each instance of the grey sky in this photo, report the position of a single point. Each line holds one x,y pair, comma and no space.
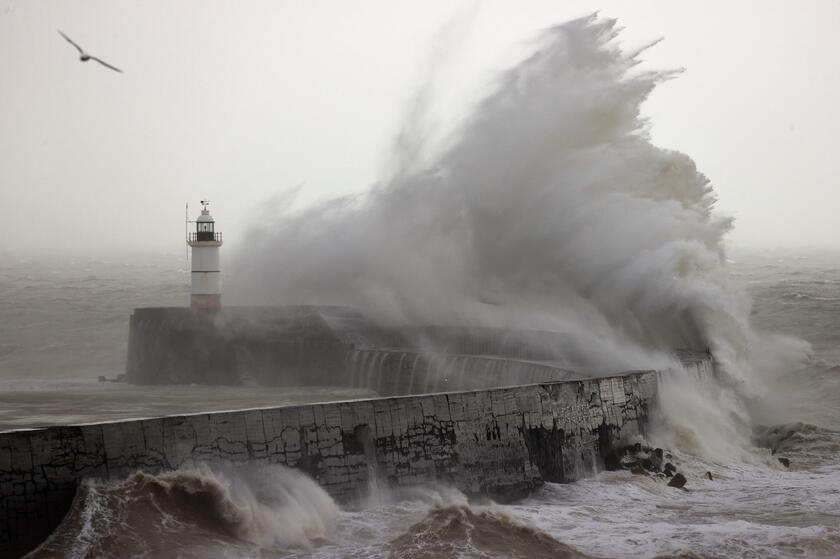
237,101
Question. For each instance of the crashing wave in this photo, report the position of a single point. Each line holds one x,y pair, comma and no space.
193,513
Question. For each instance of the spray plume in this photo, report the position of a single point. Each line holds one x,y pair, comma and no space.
548,207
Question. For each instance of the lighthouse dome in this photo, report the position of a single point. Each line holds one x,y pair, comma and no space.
205,217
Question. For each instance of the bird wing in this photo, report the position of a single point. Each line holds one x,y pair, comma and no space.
106,64
69,40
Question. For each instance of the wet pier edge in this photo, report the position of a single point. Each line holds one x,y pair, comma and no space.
501,443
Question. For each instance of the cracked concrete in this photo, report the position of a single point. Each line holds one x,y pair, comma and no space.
501,442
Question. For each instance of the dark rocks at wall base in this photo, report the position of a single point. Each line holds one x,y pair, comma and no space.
638,459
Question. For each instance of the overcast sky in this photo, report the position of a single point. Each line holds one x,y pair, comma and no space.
241,101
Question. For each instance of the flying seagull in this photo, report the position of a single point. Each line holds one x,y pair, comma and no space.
84,57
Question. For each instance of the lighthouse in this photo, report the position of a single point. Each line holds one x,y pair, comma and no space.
206,283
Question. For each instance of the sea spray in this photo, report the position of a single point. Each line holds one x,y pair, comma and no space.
547,207
187,512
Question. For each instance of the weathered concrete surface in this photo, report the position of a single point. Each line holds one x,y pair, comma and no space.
337,346
327,346
270,345
500,442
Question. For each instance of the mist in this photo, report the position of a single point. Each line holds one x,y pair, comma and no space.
237,104
547,208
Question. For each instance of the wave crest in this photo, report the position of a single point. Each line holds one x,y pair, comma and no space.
193,512
459,530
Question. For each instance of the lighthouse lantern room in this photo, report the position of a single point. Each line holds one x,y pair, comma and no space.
206,282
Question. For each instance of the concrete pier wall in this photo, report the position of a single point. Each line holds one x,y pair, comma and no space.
396,372
501,442
334,346
270,346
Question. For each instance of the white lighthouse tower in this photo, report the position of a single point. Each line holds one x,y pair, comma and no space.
206,284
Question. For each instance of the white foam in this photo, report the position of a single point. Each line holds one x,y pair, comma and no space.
547,207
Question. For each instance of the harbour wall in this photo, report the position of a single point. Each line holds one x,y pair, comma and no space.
336,346
501,443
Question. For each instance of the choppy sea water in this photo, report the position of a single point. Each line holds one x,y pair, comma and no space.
63,322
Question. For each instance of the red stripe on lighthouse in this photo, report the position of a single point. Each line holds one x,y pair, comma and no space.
206,301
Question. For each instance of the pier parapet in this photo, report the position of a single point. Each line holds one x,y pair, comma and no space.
500,443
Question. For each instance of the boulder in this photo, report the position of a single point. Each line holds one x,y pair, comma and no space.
677,481
785,462
709,475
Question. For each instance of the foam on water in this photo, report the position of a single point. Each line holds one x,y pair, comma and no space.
746,511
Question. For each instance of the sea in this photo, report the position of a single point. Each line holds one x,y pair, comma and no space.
64,323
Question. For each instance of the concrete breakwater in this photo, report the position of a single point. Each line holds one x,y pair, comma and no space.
500,442
336,346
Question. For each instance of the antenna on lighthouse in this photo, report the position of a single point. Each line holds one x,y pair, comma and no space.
187,233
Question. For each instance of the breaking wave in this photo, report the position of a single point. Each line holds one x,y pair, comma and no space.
194,513
457,531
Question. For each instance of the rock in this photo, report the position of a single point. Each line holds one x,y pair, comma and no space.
677,481
669,473
637,447
709,475
785,462
669,467
637,470
647,464
628,461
